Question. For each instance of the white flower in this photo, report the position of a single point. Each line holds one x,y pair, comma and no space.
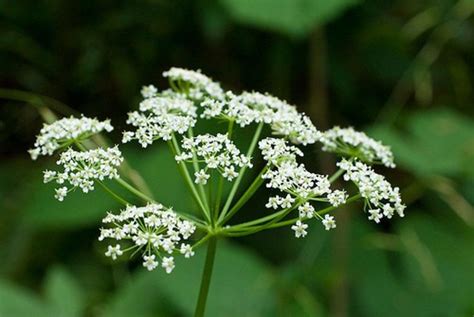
230,173
254,107
388,211
276,150
159,117
194,84
153,229
61,132
114,252
201,177
287,202
168,264
183,157
48,176
149,262
61,193
273,202
349,142
337,197
306,210
216,152
287,175
329,222
186,250
82,169
374,188
375,215
149,91
300,229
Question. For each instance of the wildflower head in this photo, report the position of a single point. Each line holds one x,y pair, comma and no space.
194,84
159,117
64,132
216,152
381,199
82,169
156,232
350,143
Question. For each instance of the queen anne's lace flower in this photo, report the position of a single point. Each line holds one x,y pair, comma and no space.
301,186
81,169
285,174
300,229
152,229
194,84
254,107
65,131
149,91
329,222
159,117
277,150
337,197
381,198
216,152
349,142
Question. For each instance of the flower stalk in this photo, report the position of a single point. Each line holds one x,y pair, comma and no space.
206,277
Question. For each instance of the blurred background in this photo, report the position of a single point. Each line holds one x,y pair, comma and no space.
400,70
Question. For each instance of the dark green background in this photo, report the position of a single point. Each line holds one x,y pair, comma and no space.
400,70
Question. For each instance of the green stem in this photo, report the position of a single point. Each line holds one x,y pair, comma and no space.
206,277
185,173
202,192
114,195
320,213
247,195
249,227
252,223
336,175
241,174
281,215
133,190
220,184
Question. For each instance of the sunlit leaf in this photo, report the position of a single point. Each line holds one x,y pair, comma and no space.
293,17
436,142
63,294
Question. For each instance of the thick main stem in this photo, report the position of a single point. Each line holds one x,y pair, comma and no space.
206,277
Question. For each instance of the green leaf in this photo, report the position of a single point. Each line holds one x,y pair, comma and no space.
241,285
19,302
438,141
63,294
430,275
293,17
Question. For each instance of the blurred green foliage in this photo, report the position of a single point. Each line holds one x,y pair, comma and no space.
402,69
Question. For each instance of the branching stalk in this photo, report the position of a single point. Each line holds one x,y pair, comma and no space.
241,174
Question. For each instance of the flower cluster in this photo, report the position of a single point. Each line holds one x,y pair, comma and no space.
381,198
349,142
155,230
63,132
194,84
300,185
216,152
254,107
159,117
81,169
285,174
275,151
